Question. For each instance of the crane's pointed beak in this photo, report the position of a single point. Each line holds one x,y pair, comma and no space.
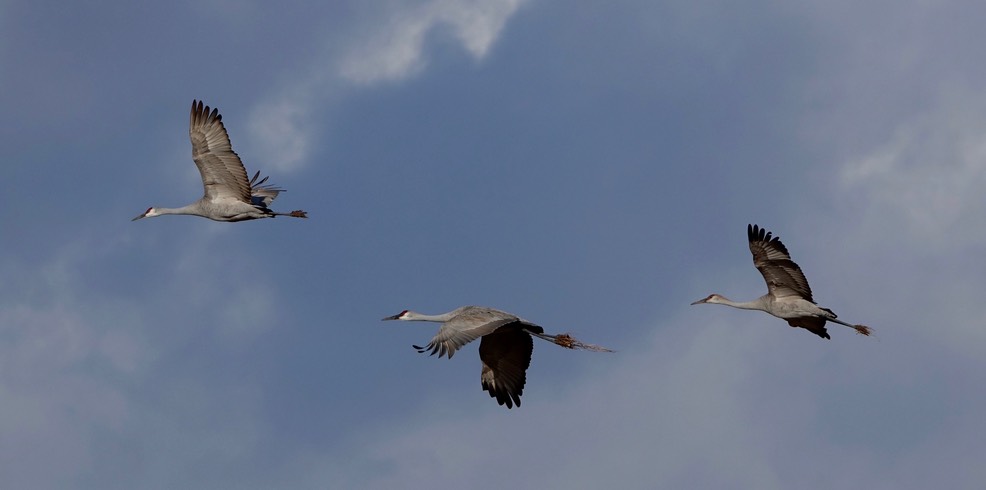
701,301
394,317
145,213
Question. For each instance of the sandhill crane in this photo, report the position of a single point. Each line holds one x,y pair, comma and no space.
229,195
788,295
505,348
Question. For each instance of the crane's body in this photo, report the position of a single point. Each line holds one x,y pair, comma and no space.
229,194
505,347
788,294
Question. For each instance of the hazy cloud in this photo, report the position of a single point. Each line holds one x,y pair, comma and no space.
931,173
394,49
390,46
601,191
282,132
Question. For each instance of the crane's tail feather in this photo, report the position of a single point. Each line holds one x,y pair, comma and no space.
255,183
567,341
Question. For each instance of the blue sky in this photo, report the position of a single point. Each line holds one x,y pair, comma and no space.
590,167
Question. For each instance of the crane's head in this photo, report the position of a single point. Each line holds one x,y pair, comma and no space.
150,213
712,298
400,316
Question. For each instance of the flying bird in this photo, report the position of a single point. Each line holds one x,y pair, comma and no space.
505,348
229,194
788,294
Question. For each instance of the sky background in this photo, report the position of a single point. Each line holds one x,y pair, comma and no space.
589,166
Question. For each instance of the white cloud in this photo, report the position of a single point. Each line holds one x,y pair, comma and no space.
390,47
741,401
713,405
56,380
395,49
281,130
86,371
930,174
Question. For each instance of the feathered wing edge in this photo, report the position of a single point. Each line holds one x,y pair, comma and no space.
783,276
450,339
505,355
222,171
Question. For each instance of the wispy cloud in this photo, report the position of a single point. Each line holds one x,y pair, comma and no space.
76,361
389,47
282,131
63,374
931,172
741,400
395,48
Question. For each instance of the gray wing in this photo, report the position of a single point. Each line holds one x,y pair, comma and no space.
454,334
784,278
506,355
812,324
223,175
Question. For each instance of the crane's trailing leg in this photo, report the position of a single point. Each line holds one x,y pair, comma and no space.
860,329
567,341
293,214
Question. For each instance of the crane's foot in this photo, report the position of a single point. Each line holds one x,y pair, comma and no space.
298,214
863,330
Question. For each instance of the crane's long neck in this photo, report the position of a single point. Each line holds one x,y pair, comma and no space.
757,304
190,209
413,316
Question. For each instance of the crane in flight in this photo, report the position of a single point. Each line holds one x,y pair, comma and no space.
505,348
229,194
788,294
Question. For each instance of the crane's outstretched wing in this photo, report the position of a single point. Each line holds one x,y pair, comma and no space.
784,277
468,324
223,175
506,355
451,337
812,324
